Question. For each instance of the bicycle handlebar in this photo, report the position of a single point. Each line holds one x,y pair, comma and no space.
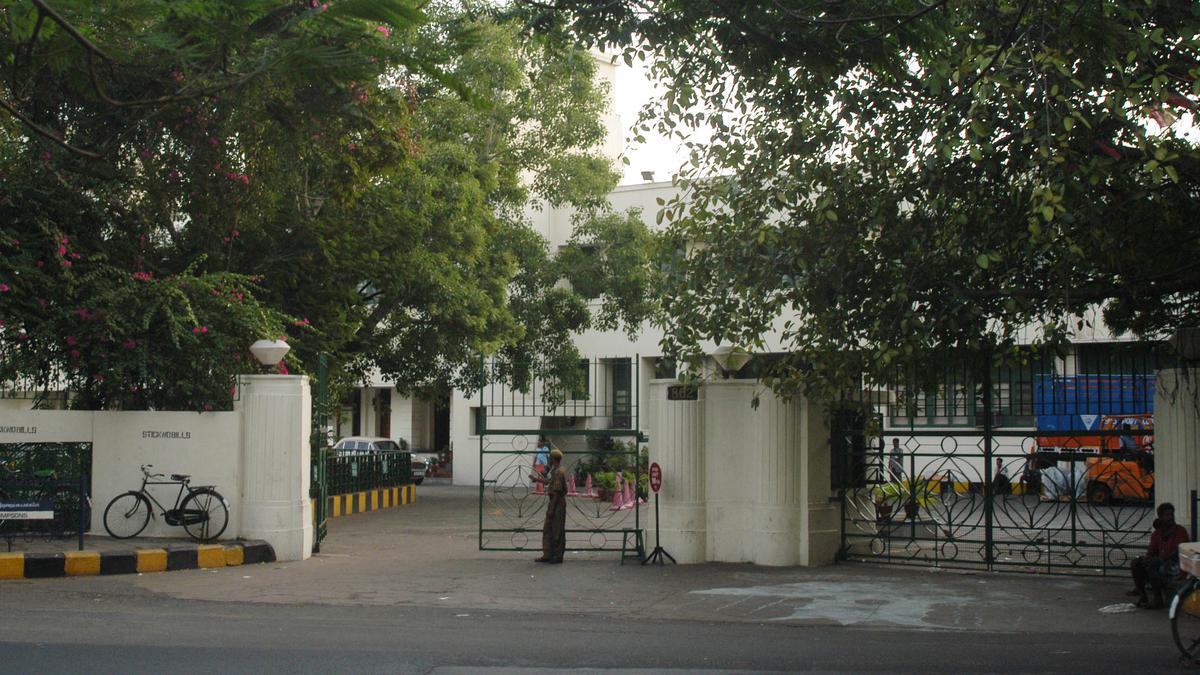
148,474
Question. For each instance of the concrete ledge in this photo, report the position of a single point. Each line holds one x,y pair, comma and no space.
369,500
88,563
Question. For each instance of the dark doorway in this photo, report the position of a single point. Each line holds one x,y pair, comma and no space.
441,424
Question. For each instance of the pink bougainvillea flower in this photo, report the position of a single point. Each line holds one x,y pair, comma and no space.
72,340
4,288
75,353
129,344
174,175
143,276
200,329
41,263
282,369
62,250
385,30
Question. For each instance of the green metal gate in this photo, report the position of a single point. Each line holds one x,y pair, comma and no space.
596,427
1043,467
319,445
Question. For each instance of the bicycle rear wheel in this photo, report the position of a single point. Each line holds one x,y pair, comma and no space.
127,515
204,514
1185,621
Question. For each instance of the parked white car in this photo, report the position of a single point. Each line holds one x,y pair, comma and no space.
352,445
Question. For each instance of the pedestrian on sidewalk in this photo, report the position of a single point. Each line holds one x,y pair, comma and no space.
554,531
1160,565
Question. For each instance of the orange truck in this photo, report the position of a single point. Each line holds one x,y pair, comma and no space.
1124,468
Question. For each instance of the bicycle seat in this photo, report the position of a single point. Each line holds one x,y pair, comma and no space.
180,476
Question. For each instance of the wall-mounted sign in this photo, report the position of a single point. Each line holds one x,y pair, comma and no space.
182,435
26,510
18,430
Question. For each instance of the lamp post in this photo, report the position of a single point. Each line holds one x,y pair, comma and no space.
270,352
731,359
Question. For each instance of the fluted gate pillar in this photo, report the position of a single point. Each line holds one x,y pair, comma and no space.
276,419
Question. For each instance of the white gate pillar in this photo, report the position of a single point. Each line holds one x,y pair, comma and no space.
678,447
276,420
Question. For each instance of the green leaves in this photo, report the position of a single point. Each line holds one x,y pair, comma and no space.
959,174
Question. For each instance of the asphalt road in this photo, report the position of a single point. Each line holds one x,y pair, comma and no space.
408,590
54,632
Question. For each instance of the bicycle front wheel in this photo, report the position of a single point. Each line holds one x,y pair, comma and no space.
1185,621
127,515
204,514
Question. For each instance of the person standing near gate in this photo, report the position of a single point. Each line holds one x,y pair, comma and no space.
896,461
554,531
541,456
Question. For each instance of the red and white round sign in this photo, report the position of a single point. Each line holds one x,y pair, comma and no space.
655,476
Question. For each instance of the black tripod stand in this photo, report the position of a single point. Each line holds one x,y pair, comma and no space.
659,553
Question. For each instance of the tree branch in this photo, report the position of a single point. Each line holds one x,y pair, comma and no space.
46,133
66,25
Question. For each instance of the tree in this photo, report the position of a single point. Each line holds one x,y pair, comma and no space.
910,181
182,178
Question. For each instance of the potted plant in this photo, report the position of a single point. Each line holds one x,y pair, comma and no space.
604,482
911,494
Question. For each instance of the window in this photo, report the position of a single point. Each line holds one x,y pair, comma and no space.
478,420
664,368
622,414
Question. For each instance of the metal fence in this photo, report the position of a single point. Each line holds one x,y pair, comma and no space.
1045,466
595,423
53,478
347,473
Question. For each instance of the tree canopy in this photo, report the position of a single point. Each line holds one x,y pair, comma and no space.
180,178
909,180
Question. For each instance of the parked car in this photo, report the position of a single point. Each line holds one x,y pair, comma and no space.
429,457
355,445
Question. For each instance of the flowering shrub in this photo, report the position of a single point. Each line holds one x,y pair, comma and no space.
129,341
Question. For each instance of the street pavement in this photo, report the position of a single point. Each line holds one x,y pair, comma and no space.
407,590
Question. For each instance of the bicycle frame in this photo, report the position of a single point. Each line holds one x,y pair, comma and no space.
183,489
